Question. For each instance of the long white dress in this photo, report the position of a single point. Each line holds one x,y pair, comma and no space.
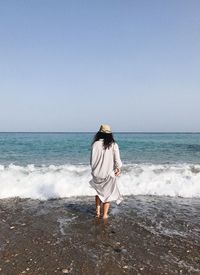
103,163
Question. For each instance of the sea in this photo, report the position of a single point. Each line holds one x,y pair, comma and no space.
57,165
45,195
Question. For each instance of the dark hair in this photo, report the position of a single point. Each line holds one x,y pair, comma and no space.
108,139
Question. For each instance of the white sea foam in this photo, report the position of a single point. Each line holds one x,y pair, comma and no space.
56,181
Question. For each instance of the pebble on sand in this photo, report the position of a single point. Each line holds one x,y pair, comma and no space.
66,270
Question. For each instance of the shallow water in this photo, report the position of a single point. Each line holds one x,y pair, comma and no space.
144,235
47,212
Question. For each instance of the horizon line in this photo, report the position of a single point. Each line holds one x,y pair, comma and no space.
131,132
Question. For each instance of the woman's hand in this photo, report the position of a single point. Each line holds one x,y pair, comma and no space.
117,172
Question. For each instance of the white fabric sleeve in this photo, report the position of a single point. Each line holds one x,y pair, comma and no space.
91,157
117,159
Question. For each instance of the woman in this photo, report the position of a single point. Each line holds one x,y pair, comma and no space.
105,164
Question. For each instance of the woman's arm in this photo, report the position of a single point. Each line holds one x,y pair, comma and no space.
117,160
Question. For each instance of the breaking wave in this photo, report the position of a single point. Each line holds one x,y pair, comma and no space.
57,181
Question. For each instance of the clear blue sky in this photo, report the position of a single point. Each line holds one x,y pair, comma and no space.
72,65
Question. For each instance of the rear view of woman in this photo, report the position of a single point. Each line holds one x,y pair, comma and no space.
105,165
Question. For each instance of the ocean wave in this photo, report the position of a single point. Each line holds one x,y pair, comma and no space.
57,181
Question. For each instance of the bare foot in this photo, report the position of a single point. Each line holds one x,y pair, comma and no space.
98,211
105,216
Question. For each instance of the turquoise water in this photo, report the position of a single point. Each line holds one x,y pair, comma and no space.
74,148
51,165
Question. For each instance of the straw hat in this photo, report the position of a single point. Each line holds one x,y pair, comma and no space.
105,128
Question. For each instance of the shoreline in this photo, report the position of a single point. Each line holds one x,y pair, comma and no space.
62,236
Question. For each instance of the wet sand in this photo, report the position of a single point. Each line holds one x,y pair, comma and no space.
145,235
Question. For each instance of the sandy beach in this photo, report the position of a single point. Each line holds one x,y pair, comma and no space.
62,236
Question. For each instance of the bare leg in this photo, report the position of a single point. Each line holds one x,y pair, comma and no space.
106,206
98,206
